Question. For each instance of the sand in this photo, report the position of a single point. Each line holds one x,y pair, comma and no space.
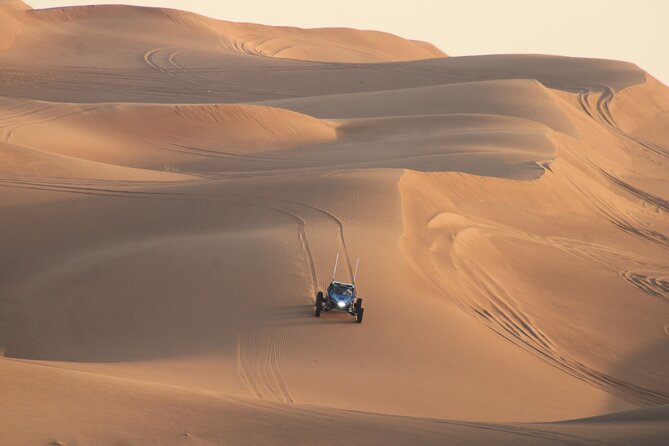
174,190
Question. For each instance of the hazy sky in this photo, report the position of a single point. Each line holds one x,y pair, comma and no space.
628,30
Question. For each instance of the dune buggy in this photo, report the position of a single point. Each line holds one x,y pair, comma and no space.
340,296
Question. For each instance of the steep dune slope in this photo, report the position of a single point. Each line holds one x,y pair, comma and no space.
257,336
641,112
158,137
600,236
26,161
490,136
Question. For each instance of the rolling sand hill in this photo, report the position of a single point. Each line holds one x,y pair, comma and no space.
174,190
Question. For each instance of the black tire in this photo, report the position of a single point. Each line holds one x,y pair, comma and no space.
319,304
358,303
358,315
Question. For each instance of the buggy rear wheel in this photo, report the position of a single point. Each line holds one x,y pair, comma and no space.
358,315
319,304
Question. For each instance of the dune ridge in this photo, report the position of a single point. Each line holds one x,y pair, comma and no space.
175,189
324,44
10,22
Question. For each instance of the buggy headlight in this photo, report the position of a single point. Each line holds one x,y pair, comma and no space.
341,304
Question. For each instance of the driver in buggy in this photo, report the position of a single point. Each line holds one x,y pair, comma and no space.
340,290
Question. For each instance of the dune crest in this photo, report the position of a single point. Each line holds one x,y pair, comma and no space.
10,21
175,190
179,28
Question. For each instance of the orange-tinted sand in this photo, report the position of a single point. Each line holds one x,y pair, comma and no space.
174,190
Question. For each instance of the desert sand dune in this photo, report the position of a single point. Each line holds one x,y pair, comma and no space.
202,418
61,29
17,162
161,137
174,190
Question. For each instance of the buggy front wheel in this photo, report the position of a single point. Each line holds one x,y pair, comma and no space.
358,315
319,304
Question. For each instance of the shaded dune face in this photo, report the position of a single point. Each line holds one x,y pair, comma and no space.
174,191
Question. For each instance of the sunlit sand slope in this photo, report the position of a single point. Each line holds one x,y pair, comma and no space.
175,189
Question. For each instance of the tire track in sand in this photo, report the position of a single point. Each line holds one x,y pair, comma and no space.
210,84
258,365
15,120
258,352
653,286
497,309
178,72
601,113
149,60
120,192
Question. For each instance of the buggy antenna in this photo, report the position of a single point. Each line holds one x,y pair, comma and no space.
355,274
334,273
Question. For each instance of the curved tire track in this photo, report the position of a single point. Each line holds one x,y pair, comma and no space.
258,353
496,309
652,286
259,367
177,71
602,114
35,116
